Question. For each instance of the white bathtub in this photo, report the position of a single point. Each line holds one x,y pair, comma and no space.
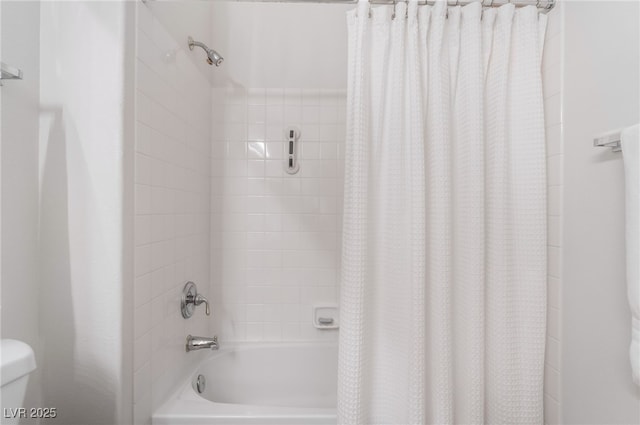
259,384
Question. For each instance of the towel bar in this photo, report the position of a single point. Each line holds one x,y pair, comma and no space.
609,140
9,73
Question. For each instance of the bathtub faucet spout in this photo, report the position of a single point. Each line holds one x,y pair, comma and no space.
200,342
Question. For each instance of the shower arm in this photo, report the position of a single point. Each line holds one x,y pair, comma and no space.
193,43
213,57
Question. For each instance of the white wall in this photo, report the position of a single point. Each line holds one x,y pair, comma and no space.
172,196
20,36
276,45
600,93
276,237
181,18
85,70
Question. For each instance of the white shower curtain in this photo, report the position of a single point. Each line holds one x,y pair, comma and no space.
444,240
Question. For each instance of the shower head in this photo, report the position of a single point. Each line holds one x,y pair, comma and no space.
213,57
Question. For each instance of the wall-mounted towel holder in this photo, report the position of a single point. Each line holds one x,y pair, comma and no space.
609,140
8,72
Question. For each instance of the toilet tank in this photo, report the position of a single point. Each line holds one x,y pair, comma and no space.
17,361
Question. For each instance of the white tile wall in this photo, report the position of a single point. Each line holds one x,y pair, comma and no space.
552,81
275,237
172,176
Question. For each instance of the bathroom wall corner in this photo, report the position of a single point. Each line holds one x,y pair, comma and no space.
552,87
128,217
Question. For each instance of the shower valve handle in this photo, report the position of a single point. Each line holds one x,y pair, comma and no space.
201,299
191,299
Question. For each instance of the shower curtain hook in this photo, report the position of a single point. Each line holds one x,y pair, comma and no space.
406,10
393,15
369,9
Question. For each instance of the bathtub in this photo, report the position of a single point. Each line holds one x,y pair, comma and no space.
259,384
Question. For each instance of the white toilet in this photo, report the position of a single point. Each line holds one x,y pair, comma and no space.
17,361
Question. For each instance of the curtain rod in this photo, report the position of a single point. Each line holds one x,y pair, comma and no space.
544,5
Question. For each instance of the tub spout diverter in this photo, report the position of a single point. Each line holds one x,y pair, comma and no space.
200,342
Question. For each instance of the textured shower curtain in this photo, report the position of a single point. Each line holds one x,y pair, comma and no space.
444,240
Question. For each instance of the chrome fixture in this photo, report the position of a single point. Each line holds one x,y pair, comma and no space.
200,384
213,57
609,140
191,299
544,6
292,135
200,342
8,72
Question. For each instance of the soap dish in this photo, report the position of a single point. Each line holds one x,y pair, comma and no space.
326,316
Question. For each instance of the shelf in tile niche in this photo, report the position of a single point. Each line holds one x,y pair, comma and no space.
326,316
